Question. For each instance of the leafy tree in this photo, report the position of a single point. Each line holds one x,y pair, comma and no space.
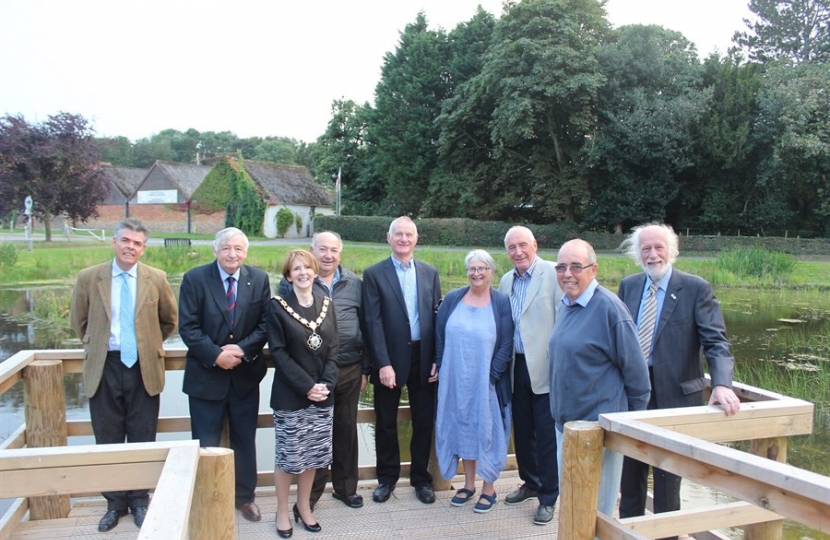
646,111
117,151
276,150
795,30
401,130
56,163
541,78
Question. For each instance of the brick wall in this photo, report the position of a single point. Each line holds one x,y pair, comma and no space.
159,218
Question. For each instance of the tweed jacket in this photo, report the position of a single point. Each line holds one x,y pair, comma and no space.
156,316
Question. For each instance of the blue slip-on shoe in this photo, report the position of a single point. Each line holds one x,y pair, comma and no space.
485,503
461,501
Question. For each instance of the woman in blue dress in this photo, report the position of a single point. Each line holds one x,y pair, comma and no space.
474,349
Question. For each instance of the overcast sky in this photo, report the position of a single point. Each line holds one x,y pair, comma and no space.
252,67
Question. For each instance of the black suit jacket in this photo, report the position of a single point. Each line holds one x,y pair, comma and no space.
690,320
387,322
204,326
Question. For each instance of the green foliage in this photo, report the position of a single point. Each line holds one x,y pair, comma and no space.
214,193
8,257
794,30
284,220
758,263
298,221
248,206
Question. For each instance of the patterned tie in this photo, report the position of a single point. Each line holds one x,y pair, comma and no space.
231,299
129,350
648,320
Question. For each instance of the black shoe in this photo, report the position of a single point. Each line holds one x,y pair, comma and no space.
285,533
520,495
544,514
425,494
382,493
110,520
352,501
314,527
139,513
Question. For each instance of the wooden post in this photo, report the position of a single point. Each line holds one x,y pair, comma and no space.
213,514
775,449
579,480
438,482
44,405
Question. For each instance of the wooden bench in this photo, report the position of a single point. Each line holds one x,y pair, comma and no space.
176,242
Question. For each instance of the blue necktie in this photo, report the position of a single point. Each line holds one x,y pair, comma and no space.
129,350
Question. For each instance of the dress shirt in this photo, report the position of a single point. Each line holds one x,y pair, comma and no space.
517,301
115,302
409,286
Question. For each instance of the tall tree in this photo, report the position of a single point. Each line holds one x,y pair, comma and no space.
56,163
646,111
795,30
402,132
541,77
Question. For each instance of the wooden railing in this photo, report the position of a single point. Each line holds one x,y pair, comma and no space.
683,441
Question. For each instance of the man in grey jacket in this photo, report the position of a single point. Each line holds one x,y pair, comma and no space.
345,288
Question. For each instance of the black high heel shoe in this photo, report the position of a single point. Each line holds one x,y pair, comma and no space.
285,533
315,528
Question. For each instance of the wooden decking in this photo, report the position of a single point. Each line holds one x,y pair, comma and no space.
403,516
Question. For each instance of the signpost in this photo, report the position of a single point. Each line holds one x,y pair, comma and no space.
27,211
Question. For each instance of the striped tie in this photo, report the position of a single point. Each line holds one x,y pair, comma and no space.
231,299
648,321
129,349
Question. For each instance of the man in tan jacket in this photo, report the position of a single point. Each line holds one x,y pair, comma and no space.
123,310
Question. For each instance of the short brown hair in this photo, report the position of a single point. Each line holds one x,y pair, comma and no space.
304,256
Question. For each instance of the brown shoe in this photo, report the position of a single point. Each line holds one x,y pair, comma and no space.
250,511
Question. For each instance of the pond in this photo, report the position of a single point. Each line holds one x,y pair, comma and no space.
777,336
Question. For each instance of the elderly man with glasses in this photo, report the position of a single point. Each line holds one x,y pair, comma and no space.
597,364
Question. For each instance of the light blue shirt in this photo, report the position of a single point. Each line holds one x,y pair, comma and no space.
409,287
583,298
517,301
334,279
226,275
115,302
662,285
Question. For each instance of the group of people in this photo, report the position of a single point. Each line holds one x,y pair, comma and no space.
549,346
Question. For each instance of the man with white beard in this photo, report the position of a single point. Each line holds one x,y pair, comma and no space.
677,315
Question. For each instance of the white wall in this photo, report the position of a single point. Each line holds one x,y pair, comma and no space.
270,224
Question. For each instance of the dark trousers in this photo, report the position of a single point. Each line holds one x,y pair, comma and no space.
534,436
634,482
344,436
121,410
422,405
206,420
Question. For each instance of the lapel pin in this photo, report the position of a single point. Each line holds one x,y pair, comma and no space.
673,297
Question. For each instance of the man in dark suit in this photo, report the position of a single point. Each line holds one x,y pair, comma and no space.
123,311
399,301
222,322
677,315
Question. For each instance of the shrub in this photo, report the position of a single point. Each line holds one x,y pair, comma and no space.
284,219
8,256
298,221
756,262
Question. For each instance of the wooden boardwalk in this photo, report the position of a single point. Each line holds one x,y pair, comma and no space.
402,516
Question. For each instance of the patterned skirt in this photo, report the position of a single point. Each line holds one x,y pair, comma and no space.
303,439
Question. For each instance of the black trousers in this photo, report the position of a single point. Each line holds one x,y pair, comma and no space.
422,404
206,421
634,482
122,411
344,436
534,436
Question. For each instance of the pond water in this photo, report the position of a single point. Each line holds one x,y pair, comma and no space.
762,326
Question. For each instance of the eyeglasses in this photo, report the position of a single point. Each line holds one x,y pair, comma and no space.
575,268
477,270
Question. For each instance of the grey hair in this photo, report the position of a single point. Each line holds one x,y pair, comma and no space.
317,235
132,224
480,255
402,219
518,228
631,246
226,234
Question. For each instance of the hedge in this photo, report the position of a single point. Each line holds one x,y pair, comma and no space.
488,234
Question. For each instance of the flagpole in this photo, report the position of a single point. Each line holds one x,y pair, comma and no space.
337,186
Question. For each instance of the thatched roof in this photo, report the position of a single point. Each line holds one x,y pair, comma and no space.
124,182
287,184
185,176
